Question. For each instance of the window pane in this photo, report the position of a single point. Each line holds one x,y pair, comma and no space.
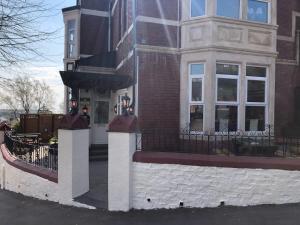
197,8
227,69
197,69
256,71
101,112
196,89
71,25
227,90
228,8
256,91
226,118
258,11
255,118
196,118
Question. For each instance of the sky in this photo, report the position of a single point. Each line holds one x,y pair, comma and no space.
47,68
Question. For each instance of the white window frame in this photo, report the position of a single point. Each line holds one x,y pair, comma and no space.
195,17
240,11
229,103
269,12
232,77
258,104
196,103
69,42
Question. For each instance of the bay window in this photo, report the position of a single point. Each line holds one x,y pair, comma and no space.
258,10
227,88
196,77
228,8
198,8
256,98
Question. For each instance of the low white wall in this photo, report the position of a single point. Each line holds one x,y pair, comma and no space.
18,181
165,186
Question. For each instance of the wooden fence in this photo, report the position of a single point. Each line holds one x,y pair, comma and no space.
45,124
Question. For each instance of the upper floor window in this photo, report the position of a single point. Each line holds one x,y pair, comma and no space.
228,8
71,38
258,10
198,8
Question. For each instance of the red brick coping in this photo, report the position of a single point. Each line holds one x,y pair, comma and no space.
19,164
217,161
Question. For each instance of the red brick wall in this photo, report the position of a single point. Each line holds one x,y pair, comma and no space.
287,76
159,87
167,9
100,5
157,34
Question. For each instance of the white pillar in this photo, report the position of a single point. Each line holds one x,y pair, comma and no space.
73,163
121,147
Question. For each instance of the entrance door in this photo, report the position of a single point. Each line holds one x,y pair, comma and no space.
100,122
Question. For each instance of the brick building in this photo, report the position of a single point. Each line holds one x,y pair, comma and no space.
203,65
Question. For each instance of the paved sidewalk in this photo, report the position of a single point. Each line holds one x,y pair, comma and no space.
19,210
97,196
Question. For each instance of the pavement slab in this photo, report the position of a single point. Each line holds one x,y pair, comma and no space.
16,209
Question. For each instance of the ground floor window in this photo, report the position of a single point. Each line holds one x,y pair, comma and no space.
240,97
255,118
227,88
256,102
196,80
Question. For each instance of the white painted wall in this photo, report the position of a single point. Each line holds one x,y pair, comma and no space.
73,172
168,185
73,163
18,181
120,152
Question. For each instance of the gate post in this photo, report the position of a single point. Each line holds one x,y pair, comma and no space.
121,147
73,158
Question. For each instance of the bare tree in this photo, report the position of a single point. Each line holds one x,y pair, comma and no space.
43,95
11,103
25,93
19,30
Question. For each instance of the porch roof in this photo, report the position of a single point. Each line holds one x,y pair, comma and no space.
86,80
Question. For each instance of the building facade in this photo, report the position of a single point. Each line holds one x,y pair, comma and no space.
202,65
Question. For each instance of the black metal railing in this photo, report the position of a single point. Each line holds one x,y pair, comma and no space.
263,143
28,148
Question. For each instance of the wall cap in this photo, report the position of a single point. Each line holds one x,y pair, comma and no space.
76,122
123,124
241,162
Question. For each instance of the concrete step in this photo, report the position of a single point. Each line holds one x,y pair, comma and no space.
97,147
99,158
96,152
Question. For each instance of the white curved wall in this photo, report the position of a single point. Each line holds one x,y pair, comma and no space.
18,181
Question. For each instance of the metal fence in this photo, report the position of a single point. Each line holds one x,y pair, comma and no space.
28,148
222,143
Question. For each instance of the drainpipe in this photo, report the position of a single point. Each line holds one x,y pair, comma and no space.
134,6
109,27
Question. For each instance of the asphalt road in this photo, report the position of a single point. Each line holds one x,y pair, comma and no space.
19,210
